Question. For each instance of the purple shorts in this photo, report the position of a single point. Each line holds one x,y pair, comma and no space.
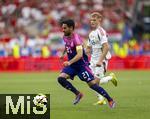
82,71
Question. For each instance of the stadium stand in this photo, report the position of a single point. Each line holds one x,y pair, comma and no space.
30,28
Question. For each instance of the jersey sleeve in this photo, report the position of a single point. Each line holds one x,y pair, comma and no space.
78,40
103,36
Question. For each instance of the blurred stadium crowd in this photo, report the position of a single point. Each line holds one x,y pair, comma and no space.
31,27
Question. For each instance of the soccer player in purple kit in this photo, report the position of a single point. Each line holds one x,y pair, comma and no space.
77,64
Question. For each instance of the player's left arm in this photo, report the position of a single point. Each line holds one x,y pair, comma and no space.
105,49
78,56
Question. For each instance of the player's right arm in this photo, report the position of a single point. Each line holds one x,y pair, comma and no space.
62,55
88,49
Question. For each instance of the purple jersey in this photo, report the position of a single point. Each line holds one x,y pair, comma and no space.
70,45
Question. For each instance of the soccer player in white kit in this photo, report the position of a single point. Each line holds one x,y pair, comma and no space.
98,47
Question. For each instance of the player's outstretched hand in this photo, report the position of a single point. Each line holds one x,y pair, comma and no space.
66,63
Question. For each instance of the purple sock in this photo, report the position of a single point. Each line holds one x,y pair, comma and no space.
101,91
66,84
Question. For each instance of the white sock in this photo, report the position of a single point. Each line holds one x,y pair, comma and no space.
105,79
100,97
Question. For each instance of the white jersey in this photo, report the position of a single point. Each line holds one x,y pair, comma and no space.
96,39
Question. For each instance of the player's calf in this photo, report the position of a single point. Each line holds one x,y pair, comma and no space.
99,90
66,84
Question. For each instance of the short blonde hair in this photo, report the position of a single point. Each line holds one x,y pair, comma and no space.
96,14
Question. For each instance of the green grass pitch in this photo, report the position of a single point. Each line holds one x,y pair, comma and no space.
132,95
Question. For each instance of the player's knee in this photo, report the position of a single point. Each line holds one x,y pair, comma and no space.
93,82
93,86
61,80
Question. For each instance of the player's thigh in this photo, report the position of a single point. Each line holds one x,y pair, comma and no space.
85,74
99,71
68,73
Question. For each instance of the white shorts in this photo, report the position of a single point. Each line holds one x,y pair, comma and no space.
99,71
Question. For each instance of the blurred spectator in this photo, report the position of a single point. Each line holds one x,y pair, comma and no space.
31,28
45,51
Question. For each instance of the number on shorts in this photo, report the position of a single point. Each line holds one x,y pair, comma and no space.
85,75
